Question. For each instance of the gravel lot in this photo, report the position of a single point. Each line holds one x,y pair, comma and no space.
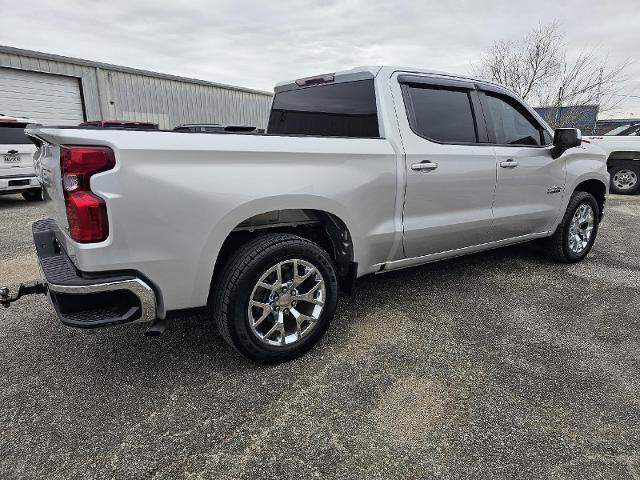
500,365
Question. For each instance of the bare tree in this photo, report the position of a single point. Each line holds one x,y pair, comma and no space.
539,70
526,65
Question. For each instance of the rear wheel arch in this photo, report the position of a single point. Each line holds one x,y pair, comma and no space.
271,283
618,156
319,226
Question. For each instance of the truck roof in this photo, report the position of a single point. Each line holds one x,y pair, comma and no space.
370,71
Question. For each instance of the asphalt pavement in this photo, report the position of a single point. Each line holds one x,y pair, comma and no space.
497,365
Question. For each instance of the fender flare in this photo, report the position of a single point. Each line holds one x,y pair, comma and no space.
570,189
219,232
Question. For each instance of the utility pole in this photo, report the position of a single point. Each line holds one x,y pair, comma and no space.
559,107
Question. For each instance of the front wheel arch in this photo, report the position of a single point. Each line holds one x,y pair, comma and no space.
596,188
557,245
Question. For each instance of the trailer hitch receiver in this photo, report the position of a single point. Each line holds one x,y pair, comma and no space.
9,295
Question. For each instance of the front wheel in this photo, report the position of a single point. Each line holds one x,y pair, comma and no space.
275,297
575,235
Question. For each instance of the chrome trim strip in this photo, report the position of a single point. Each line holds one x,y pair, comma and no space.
435,257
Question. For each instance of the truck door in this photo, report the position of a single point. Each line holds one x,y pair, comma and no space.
450,168
530,182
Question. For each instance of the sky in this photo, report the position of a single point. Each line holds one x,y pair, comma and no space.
258,43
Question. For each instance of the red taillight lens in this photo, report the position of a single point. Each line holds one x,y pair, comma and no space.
79,163
86,212
87,216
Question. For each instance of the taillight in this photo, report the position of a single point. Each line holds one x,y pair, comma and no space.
86,212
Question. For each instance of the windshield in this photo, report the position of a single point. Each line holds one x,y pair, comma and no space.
13,135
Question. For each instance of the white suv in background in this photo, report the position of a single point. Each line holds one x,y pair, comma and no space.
17,174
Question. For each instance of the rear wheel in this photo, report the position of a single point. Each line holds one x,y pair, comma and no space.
574,237
275,297
625,178
33,195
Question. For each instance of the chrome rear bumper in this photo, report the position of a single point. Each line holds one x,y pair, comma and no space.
89,300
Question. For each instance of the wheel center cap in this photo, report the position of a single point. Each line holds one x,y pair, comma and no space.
284,300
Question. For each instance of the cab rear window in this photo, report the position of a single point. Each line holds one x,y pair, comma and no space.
346,109
13,135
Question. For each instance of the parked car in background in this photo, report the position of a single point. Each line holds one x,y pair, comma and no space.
17,174
628,130
121,124
364,171
622,146
215,128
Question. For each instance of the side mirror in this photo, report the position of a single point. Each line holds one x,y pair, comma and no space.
564,139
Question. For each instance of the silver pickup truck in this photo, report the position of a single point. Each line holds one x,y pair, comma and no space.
360,172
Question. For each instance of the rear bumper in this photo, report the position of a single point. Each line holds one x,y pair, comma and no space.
18,183
89,300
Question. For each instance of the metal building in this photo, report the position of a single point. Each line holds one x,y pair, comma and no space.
53,89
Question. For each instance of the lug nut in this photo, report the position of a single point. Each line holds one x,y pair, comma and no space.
294,303
286,310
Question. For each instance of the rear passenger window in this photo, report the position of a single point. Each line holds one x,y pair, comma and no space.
510,124
346,109
442,115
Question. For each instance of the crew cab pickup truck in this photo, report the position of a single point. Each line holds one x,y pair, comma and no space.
622,147
359,172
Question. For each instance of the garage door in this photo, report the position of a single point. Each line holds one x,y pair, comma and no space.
43,97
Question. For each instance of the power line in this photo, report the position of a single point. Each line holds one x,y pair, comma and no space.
621,95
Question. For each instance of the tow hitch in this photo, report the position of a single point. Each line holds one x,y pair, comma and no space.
9,295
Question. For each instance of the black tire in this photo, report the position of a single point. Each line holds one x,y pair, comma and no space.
232,287
558,245
33,195
630,166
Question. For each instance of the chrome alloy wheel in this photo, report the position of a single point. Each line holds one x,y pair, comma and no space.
581,228
625,179
286,302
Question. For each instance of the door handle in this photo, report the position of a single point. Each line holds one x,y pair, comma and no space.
424,165
509,163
